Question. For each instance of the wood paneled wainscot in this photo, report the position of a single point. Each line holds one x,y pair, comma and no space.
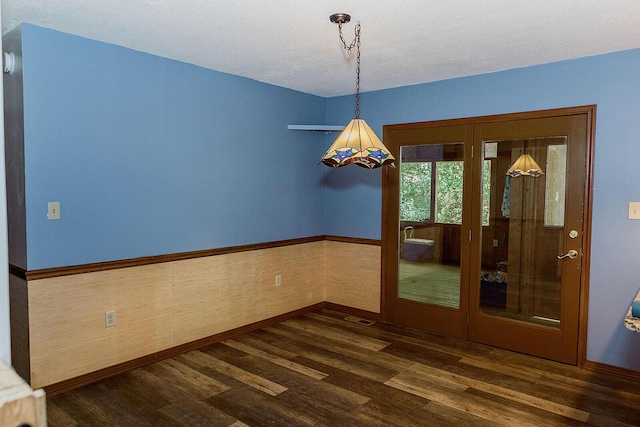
161,306
171,304
353,275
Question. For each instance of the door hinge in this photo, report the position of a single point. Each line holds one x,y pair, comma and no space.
472,151
467,318
469,235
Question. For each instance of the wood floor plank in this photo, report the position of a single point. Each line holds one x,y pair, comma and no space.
528,415
386,405
450,416
433,381
573,388
183,378
397,334
323,391
83,412
451,400
593,398
170,389
301,369
198,414
457,400
250,405
248,378
564,370
377,358
420,354
547,405
256,409
337,334
322,371
597,420
110,403
306,402
263,340
337,360
57,416
385,414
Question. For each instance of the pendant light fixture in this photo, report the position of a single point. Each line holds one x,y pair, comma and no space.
357,143
525,166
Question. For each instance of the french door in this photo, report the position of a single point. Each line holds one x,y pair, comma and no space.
473,252
426,258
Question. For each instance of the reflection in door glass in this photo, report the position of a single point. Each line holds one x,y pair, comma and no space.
521,275
556,179
431,182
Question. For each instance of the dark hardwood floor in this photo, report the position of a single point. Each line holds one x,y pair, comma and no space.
321,370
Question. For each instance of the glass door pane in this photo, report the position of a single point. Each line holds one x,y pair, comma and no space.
521,275
431,184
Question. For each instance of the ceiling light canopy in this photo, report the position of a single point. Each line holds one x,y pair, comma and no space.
358,143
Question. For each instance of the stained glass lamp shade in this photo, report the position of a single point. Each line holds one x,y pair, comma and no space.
358,144
525,166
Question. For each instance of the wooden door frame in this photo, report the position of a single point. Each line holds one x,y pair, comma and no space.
590,111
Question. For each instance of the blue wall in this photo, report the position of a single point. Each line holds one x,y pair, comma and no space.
151,156
610,81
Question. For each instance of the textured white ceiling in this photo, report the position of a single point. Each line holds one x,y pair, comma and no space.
291,43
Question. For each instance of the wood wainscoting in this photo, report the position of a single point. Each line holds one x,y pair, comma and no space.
170,304
353,274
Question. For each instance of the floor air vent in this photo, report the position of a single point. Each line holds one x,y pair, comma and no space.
354,319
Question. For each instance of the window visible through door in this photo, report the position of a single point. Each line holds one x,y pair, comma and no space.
416,189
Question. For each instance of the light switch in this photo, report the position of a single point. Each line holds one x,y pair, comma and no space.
53,210
634,210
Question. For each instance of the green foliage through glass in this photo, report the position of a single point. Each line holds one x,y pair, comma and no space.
449,179
415,191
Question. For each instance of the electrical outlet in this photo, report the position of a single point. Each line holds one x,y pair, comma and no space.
278,280
109,319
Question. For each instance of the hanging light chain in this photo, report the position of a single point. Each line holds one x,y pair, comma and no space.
358,71
349,48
